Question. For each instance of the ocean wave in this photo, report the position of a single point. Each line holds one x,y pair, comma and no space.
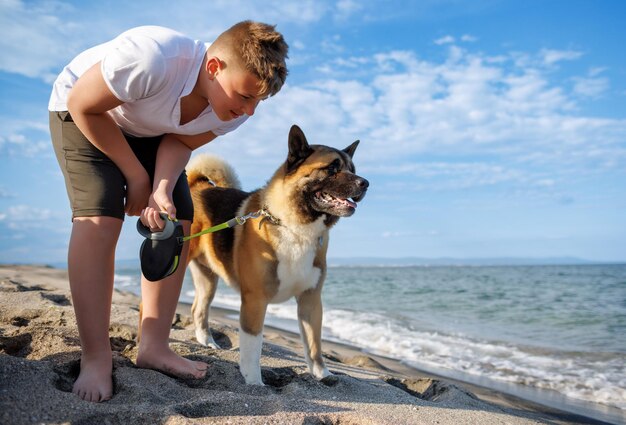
592,377
126,282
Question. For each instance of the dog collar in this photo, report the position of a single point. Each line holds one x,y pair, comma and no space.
268,216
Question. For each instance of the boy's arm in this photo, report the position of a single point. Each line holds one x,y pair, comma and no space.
173,154
88,103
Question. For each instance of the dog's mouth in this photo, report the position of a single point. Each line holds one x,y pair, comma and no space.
335,205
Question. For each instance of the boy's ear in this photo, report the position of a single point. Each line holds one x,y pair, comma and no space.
213,65
350,149
299,148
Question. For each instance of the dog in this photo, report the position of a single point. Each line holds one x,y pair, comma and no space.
280,255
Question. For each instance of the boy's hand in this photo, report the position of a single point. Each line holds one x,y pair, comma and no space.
138,190
150,218
161,200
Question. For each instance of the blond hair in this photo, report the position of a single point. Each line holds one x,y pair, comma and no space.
260,50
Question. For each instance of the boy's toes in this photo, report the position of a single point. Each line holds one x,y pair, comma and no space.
93,396
201,370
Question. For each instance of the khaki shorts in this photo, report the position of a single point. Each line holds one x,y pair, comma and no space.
95,185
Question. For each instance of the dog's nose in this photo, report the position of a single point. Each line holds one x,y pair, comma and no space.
362,183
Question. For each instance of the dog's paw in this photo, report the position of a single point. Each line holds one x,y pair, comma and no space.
206,339
251,373
320,372
331,380
253,379
213,344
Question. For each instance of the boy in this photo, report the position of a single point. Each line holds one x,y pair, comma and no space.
124,118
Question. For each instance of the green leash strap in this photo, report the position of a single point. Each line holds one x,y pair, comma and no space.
232,223
226,225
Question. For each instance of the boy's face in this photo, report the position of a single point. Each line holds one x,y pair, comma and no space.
233,92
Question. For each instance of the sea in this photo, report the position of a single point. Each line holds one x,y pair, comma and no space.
552,334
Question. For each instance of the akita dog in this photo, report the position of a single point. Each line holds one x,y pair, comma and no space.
275,257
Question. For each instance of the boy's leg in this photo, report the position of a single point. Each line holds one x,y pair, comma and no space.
159,299
159,306
95,188
91,259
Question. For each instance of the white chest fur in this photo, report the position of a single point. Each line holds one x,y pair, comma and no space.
295,255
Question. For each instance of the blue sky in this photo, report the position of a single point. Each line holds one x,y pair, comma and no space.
488,128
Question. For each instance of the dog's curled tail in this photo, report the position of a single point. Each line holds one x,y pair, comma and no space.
204,169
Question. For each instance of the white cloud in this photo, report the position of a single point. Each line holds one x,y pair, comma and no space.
593,85
595,71
469,104
438,176
468,38
401,106
332,45
41,36
551,56
392,61
19,145
354,99
26,213
347,8
352,62
22,217
465,106
590,87
448,39
32,37
297,44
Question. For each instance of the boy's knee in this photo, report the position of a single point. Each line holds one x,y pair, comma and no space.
100,227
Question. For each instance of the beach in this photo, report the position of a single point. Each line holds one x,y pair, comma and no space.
40,354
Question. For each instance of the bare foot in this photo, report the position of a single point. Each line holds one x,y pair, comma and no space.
95,382
166,361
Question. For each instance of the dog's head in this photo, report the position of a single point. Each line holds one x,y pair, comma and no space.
324,177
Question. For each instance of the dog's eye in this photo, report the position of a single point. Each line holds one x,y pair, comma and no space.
333,168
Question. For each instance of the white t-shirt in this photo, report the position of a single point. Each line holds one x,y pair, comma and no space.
150,68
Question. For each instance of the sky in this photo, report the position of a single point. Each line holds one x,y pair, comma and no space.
488,128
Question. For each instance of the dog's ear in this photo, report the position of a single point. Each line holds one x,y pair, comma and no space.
299,148
350,149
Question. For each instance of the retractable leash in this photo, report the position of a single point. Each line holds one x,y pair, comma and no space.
160,252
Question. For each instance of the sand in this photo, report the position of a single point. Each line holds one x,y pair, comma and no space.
40,353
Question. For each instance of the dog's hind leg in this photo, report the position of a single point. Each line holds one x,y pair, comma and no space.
310,321
205,283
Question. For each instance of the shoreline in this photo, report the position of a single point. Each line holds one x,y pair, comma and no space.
394,367
39,358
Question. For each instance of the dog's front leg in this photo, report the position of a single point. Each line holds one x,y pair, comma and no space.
310,320
251,321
